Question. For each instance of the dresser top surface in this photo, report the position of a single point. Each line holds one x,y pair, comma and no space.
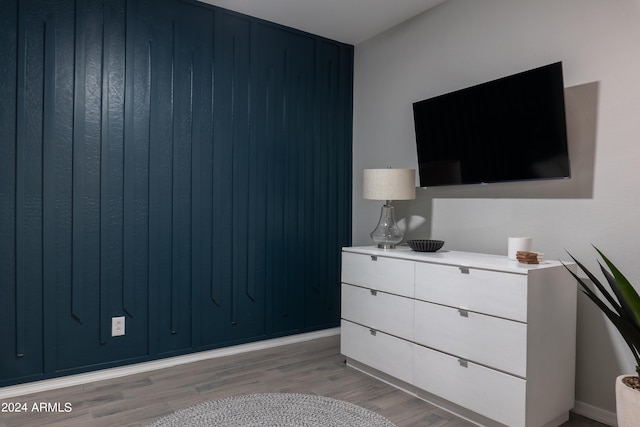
465,259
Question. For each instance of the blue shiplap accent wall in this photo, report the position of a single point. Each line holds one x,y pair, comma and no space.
183,166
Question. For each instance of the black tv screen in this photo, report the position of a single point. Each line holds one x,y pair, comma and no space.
510,129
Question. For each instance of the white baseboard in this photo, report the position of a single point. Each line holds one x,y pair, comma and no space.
105,374
595,413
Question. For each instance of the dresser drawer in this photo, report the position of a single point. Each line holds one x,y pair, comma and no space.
494,394
385,312
384,274
490,292
378,350
491,341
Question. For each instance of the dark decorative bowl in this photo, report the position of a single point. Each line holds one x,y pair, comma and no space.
425,245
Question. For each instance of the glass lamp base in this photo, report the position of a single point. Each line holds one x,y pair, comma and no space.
386,234
386,245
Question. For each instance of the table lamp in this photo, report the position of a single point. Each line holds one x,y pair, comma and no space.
388,184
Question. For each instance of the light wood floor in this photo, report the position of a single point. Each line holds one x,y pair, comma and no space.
314,367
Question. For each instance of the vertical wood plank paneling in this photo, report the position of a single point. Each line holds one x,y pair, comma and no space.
21,288
50,167
345,106
233,288
29,182
226,82
86,181
258,199
168,161
238,311
248,300
131,165
276,277
301,89
89,170
105,163
343,161
57,166
344,137
273,67
289,217
182,169
112,165
202,203
161,182
312,219
178,69
154,273
159,188
285,81
314,295
175,306
329,169
332,190
79,155
8,113
322,295
243,292
223,181
84,306
136,178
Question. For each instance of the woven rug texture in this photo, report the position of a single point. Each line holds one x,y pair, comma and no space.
274,409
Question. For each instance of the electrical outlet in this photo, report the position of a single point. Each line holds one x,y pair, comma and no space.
117,326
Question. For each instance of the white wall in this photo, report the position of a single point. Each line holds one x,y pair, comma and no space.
461,43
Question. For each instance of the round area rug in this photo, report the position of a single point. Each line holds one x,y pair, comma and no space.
274,409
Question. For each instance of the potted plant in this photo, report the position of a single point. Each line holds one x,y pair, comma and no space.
622,308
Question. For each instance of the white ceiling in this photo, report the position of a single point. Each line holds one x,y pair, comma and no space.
347,21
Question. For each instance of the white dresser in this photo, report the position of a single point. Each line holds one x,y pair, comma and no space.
482,336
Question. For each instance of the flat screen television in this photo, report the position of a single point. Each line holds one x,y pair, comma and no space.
510,129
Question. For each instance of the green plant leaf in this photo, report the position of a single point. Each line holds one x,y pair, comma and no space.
623,308
628,311
627,291
629,332
597,283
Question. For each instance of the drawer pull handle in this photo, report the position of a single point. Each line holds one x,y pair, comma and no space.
463,313
374,258
464,270
374,292
373,332
463,363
